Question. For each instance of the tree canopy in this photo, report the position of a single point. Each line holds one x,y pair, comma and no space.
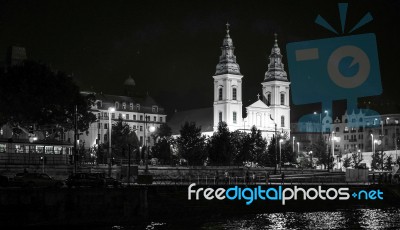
33,95
191,144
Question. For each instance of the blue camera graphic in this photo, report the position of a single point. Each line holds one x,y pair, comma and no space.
324,70
334,68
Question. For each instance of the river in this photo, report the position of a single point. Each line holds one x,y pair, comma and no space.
339,219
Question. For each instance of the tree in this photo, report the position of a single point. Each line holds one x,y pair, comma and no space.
320,152
220,148
34,97
377,160
191,145
272,155
241,144
163,131
347,162
258,144
356,159
388,162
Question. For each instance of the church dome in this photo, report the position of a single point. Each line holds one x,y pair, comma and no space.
129,81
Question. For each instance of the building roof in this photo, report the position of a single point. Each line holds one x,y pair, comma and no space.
275,70
202,117
146,102
227,61
258,104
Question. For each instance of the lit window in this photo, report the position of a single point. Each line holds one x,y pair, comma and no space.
220,94
234,117
234,94
123,105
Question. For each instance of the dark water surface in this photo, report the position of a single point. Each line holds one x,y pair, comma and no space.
339,219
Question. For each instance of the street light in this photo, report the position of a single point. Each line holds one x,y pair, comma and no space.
395,135
293,143
320,118
151,129
311,158
280,155
110,110
298,147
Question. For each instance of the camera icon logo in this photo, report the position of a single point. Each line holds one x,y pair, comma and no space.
334,69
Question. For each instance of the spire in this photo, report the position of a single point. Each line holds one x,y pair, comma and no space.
227,60
275,67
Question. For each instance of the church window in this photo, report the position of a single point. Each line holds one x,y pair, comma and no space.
282,99
123,105
137,107
116,105
337,129
234,94
282,121
269,98
234,117
220,117
220,94
131,106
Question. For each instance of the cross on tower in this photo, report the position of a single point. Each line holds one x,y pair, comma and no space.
227,27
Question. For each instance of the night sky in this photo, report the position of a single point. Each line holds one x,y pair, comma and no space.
171,48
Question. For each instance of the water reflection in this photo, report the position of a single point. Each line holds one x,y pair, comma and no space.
342,219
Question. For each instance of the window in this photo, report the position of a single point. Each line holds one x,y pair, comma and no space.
116,105
120,115
137,107
220,117
337,129
134,117
99,125
141,140
131,106
282,99
154,109
269,98
161,120
105,126
141,117
123,105
141,128
127,116
154,118
234,94
234,117
220,94
282,121
105,138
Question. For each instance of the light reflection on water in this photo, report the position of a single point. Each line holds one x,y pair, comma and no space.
340,219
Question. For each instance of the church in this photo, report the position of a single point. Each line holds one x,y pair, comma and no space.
270,113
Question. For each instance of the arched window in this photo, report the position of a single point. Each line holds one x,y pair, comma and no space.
137,107
220,117
123,105
282,121
234,117
131,106
282,99
234,94
269,98
220,94
337,129
116,105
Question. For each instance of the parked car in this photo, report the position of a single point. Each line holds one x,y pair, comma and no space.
35,180
91,180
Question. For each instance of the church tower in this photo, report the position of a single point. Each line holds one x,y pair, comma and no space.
228,87
275,88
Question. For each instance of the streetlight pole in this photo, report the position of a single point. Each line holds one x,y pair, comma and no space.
395,135
298,147
372,143
280,156
333,147
276,150
293,143
110,110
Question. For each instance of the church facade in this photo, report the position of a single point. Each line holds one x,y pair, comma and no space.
270,113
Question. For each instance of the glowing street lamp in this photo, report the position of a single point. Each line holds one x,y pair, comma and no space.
298,147
280,155
110,110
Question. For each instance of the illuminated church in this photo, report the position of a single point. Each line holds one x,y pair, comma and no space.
271,111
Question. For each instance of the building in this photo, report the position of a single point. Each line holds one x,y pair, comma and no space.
353,132
132,109
269,113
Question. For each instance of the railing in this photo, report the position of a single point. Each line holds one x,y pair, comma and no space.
32,159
